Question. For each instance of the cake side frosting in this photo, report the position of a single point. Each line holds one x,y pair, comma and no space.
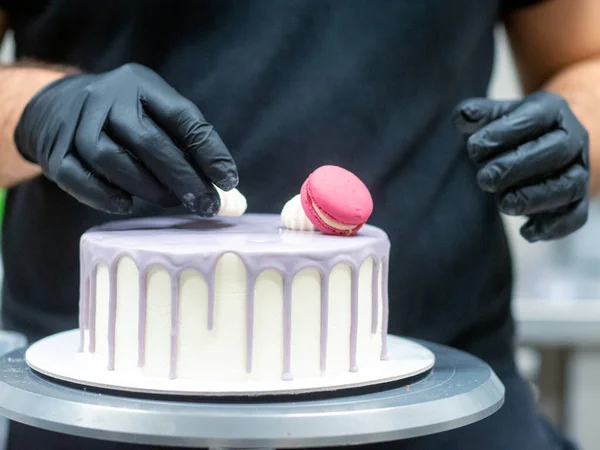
187,243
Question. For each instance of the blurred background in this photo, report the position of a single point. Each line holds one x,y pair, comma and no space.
557,303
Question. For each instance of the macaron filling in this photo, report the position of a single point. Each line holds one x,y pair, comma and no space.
330,222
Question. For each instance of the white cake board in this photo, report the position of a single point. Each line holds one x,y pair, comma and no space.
57,357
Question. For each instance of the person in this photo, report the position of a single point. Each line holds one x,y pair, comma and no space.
136,108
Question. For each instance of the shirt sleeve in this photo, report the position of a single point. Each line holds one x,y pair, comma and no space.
510,5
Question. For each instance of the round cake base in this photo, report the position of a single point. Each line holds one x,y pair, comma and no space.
57,357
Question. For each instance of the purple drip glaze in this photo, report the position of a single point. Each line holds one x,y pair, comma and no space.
375,297
210,276
86,302
181,243
142,307
324,319
250,285
385,312
82,306
112,313
174,325
354,319
92,307
287,329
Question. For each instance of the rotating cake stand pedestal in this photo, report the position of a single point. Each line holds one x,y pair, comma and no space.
458,391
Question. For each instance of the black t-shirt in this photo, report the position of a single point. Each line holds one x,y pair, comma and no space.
290,86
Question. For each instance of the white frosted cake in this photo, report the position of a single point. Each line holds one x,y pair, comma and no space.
232,299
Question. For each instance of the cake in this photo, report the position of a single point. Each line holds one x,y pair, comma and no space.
232,298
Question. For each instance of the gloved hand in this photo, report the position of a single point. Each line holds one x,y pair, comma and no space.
533,155
125,133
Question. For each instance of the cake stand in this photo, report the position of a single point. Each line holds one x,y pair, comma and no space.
458,391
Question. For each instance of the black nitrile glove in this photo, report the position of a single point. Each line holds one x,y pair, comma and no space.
533,154
125,133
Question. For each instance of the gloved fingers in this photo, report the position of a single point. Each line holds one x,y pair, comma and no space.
548,195
72,177
118,166
579,135
529,162
535,116
473,114
186,125
140,135
112,162
555,225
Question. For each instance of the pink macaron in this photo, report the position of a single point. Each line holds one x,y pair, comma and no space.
336,201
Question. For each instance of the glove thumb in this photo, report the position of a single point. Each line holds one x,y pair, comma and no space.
473,114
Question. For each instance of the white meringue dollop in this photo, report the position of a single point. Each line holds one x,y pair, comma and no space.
233,203
293,216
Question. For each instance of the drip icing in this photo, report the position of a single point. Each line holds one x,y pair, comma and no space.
324,319
86,302
142,308
354,319
287,328
385,308
82,298
375,296
174,325
198,245
211,299
92,307
112,312
250,285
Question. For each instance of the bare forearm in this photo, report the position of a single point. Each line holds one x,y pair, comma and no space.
579,84
18,84
557,48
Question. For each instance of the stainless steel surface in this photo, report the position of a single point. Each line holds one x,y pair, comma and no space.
557,305
459,390
568,323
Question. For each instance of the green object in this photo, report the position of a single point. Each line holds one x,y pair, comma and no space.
2,198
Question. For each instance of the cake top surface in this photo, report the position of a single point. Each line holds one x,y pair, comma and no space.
246,234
